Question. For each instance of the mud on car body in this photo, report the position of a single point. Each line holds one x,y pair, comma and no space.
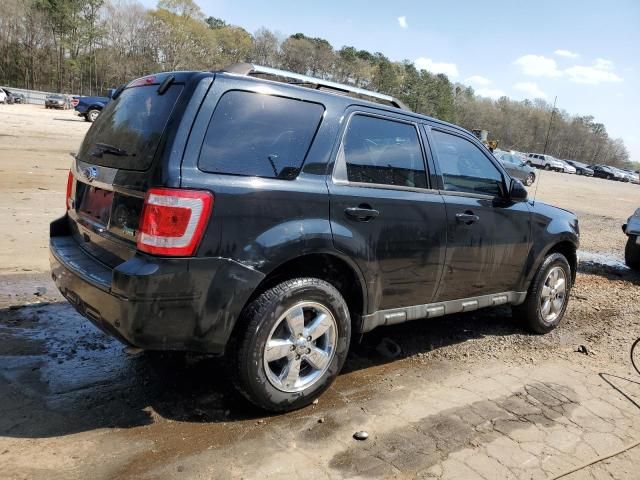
231,214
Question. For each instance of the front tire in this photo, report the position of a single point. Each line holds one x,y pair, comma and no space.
632,253
548,295
291,344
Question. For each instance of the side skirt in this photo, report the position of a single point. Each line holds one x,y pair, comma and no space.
431,310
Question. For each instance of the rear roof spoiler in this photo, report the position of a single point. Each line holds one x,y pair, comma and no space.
249,69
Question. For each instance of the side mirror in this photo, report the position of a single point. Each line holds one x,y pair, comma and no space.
517,192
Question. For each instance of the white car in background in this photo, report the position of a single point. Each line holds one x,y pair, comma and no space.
631,175
567,167
542,160
3,96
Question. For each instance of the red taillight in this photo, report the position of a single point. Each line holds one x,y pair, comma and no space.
173,221
69,200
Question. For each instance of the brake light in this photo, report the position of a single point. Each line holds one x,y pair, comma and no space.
69,200
173,221
144,81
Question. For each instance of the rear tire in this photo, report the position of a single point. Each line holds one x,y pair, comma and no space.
295,370
632,253
548,295
530,179
92,115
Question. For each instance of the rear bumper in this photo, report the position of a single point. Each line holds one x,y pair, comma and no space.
154,303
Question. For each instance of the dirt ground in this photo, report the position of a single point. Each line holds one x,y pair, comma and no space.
470,396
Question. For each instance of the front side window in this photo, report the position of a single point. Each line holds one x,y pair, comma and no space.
259,135
383,152
464,167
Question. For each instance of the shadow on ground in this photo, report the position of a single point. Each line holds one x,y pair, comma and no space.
59,375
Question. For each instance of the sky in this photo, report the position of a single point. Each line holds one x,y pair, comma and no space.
587,53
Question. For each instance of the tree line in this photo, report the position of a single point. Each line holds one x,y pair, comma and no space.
88,46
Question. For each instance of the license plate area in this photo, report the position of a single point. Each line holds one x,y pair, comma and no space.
95,203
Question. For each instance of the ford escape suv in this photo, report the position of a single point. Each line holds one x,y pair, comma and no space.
272,217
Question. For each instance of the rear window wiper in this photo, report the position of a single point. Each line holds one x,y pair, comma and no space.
103,148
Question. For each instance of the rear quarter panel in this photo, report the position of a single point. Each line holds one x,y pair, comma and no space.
264,222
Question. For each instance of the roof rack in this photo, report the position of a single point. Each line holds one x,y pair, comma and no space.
249,69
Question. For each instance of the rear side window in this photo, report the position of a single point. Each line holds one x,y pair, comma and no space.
383,152
464,167
259,135
128,130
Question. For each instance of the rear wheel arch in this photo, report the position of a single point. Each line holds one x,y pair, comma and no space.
340,273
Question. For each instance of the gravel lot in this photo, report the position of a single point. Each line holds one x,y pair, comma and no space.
471,396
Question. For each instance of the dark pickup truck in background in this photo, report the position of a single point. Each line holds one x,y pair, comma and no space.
89,107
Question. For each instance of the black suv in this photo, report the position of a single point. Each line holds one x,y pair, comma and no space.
235,213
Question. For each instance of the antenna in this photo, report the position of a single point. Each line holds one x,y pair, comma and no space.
544,150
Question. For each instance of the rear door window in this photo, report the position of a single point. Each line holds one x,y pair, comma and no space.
259,135
128,130
383,152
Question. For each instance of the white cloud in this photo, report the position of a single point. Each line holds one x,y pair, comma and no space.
478,80
449,69
538,66
566,53
402,21
530,89
494,93
600,72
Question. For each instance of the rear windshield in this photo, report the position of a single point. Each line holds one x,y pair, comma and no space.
127,132
259,135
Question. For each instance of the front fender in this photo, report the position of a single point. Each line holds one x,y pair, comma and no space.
550,228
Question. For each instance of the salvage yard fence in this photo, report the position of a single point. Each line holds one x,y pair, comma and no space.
35,97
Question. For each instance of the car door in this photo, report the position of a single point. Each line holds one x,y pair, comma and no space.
383,213
487,235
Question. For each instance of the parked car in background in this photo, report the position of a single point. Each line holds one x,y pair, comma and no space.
545,161
567,167
581,168
15,97
169,242
633,176
56,101
605,171
632,249
516,167
89,107
626,177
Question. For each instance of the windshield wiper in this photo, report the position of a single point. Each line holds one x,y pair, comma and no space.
110,149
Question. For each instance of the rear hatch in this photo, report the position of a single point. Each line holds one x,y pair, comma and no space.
115,167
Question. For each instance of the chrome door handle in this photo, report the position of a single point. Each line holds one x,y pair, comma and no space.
468,218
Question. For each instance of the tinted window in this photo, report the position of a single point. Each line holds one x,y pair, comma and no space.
131,126
464,167
259,135
382,151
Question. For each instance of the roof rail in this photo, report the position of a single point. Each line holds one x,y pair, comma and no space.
249,69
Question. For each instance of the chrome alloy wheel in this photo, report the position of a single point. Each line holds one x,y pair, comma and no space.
554,295
300,347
